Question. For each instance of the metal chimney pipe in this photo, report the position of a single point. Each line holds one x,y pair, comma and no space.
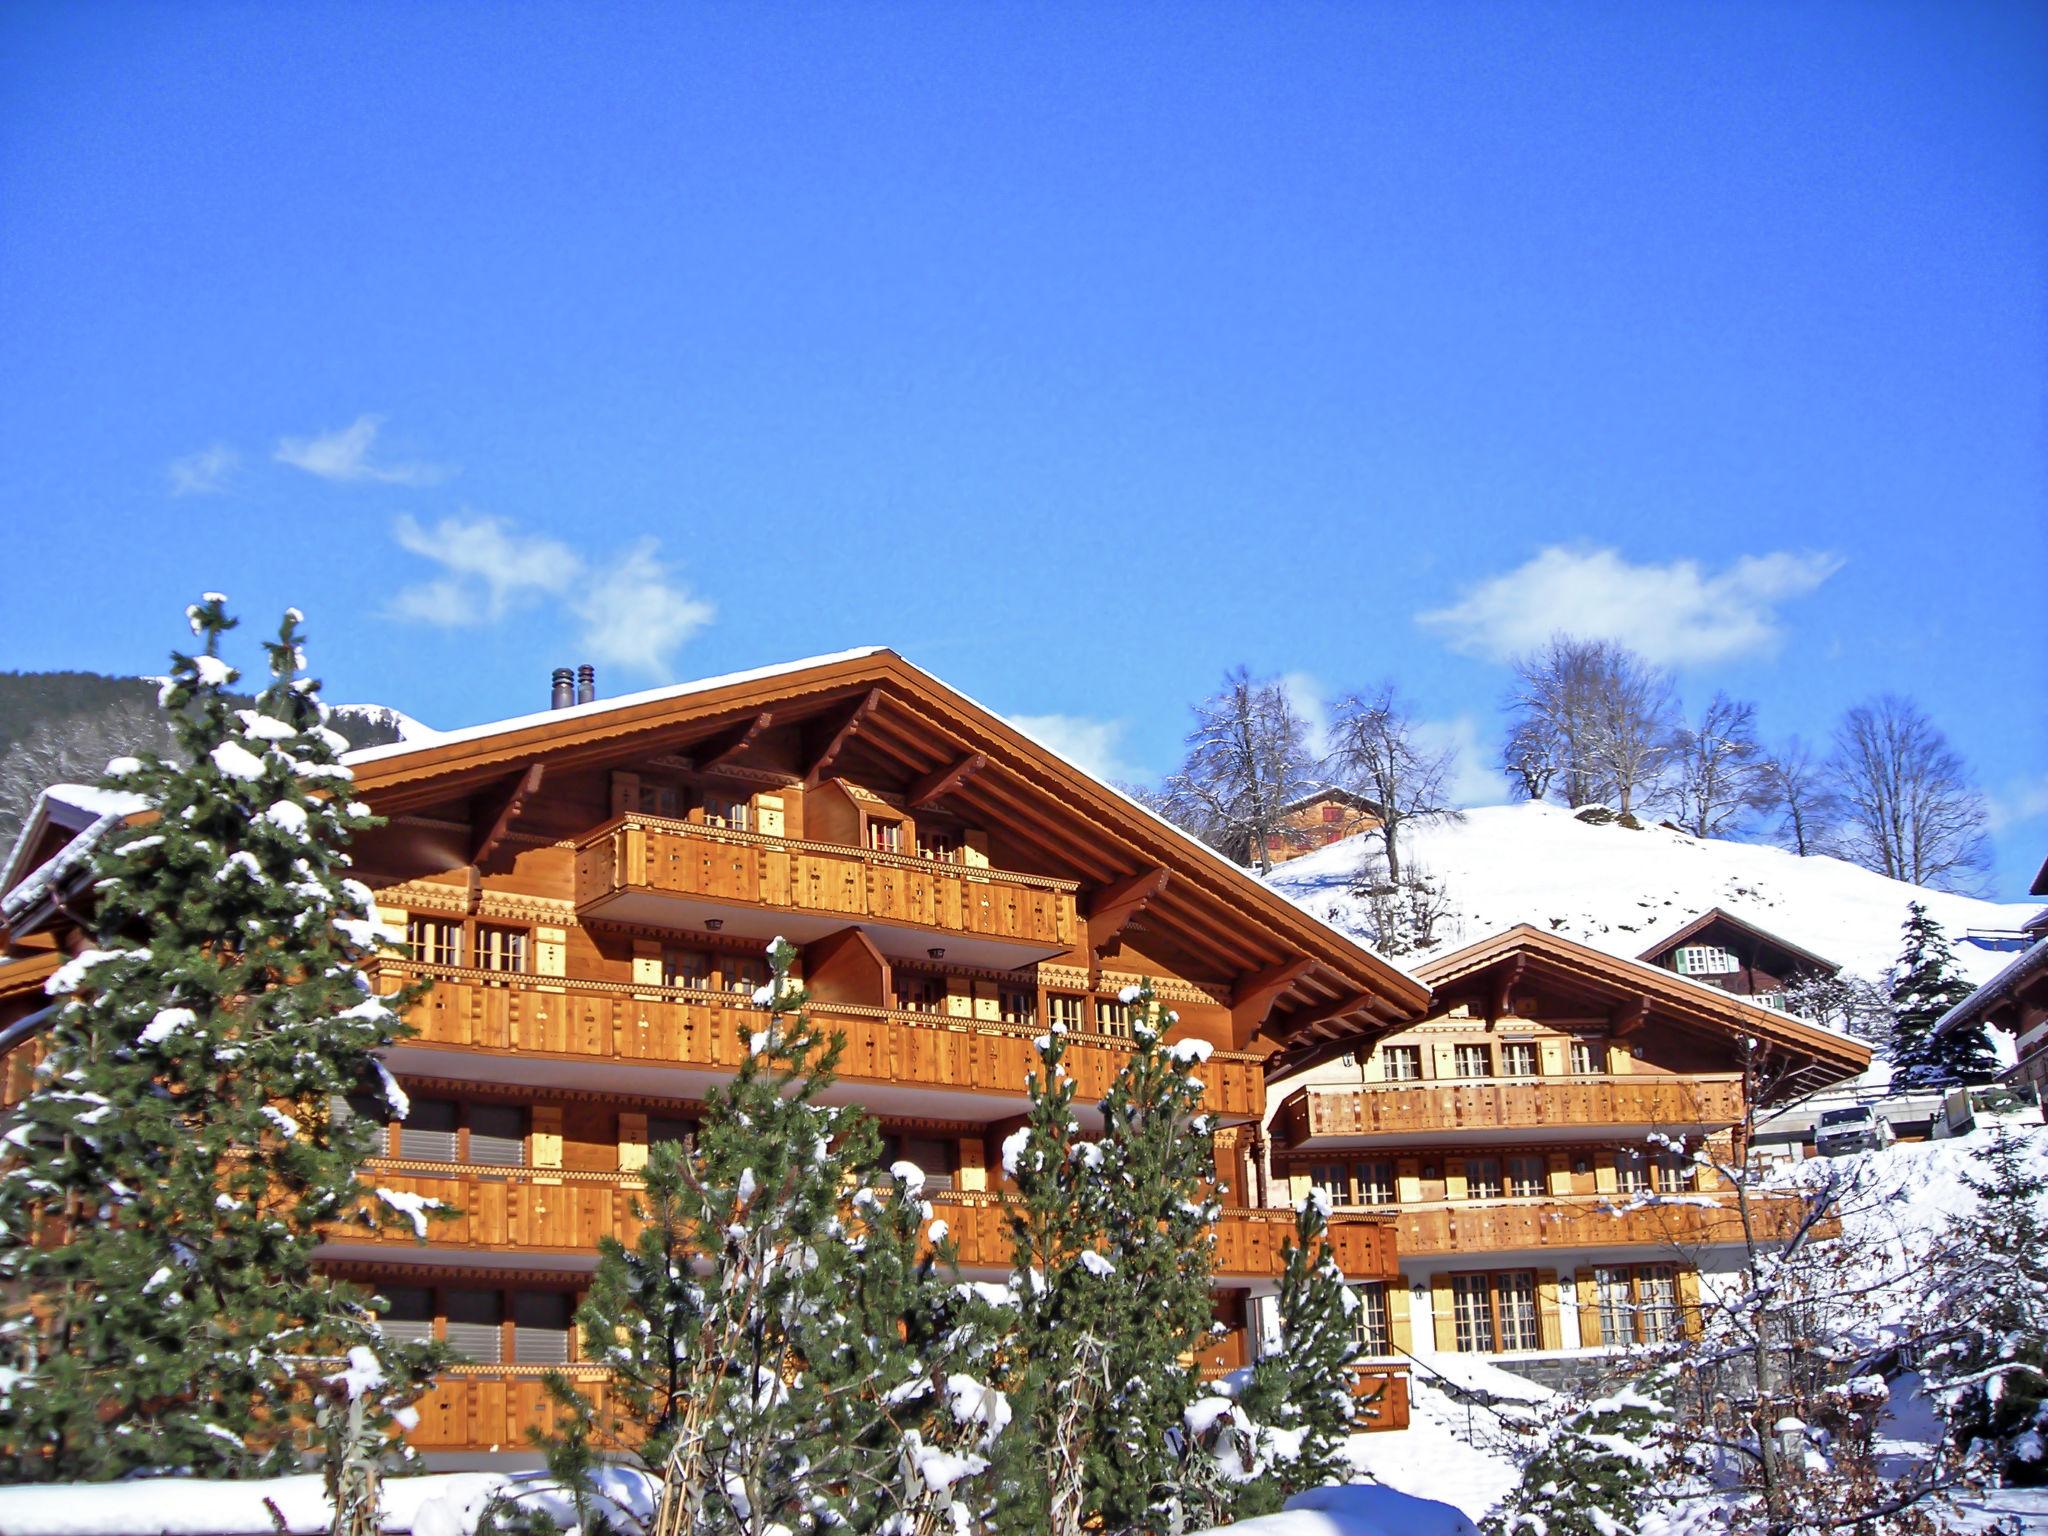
586,683
563,694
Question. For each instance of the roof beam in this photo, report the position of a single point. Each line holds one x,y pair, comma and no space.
1256,993
1315,1022
1625,1018
1500,999
943,780
724,748
501,811
1113,906
848,727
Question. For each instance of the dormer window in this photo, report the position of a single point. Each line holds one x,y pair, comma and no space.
885,836
1704,960
434,940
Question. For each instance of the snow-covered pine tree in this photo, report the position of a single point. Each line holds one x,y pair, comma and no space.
1593,1471
1113,1242
782,1357
1992,1376
1924,986
164,1189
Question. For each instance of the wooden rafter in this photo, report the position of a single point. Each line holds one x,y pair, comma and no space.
1318,1021
1112,907
724,748
499,813
943,780
849,725
1626,1018
1257,993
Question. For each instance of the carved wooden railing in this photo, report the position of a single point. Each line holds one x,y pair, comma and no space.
1674,1222
547,1211
1381,1109
492,1012
680,858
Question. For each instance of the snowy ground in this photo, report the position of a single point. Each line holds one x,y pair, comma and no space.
1618,889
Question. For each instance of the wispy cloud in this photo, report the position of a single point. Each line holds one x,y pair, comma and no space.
344,456
1474,778
1675,614
205,473
1096,746
631,610
2023,800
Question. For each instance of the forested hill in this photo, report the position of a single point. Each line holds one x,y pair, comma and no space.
61,727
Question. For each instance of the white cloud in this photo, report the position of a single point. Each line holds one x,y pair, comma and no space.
2021,801
1677,614
344,455
1094,745
1474,780
1305,693
632,610
205,473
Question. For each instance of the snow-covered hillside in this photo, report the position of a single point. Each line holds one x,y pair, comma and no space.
1619,889
398,720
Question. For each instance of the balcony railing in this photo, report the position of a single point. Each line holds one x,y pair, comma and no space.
640,855
493,1013
1677,1222
561,1214
1329,1115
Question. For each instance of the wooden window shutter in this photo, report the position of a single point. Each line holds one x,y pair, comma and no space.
1407,1179
392,920
632,1142
544,1140
973,1170
1445,1060
1443,1314
1549,1329
1455,1186
1589,1308
550,951
625,794
1399,1327
960,997
1619,1062
1300,1183
769,815
646,963
1560,1165
1689,1302
988,1000
1605,1179
974,848
1551,1054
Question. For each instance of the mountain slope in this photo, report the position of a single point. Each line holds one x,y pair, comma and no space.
1619,889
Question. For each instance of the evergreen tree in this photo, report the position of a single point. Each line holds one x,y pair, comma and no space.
1595,1470
1992,1376
782,1356
1924,987
1113,1243
165,1188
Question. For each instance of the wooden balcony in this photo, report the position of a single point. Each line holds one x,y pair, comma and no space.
1582,1223
552,1214
1332,1116
643,869
494,1015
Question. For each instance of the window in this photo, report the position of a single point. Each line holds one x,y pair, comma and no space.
434,940
497,1134
659,800
1482,1178
541,1321
1018,1005
1062,1010
1525,1176
411,1314
680,1129
1631,1171
935,1158
475,1325
1638,1303
1518,1059
686,968
942,846
1473,1061
729,811
885,836
1775,1001
499,948
741,974
1369,1330
1589,1058
1704,960
1495,1311
1113,1017
1674,1171
919,993
428,1133
1402,1063
1374,1182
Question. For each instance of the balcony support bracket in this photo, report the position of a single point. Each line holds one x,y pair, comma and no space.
941,781
720,750
1111,908
498,814
1626,1018
848,727
1255,994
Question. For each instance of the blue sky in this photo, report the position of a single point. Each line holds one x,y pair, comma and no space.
1076,352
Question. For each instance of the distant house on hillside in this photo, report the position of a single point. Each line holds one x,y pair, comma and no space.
2016,1000
1325,816
1724,951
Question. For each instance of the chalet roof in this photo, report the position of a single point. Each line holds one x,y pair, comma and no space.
1324,792
2027,974
1717,915
1328,990
80,815
1822,1055
2040,885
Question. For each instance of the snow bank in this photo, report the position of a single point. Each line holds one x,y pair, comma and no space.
1619,890
1356,1509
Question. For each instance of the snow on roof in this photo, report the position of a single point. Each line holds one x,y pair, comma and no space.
83,809
2030,963
601,706
1616,889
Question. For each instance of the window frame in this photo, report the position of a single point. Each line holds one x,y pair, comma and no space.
1408,1056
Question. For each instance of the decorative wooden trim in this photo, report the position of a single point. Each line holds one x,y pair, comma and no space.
1167,989
969,872
375,1271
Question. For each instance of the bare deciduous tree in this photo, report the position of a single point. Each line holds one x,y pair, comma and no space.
1248,757
1374,752
1909,809
1604,714
1795,786
1717,768
1530,757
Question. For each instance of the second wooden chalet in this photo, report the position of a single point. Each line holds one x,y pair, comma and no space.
1531,1140
1723,950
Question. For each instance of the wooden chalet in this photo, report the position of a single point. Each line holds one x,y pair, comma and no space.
1509,1135
2016,1001
587,892
1729,952
1316,820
